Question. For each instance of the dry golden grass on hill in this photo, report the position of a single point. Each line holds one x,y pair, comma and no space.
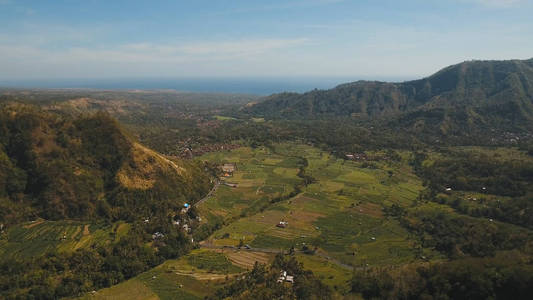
146,165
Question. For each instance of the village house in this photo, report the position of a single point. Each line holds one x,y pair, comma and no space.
185,208
228,169
284,277
282,224
157,235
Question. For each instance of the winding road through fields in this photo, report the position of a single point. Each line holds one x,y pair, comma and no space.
217,183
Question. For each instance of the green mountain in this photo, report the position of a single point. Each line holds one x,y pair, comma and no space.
473,92
58,167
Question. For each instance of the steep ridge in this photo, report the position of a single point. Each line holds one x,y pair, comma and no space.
500,91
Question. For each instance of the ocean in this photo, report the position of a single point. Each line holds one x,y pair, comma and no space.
256,86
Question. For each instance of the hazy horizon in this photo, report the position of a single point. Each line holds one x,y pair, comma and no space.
245,85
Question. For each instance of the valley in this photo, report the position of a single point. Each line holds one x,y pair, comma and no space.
169,195
336,219
266,150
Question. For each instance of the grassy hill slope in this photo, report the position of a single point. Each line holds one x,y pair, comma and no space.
57,167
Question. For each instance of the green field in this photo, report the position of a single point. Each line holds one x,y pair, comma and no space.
212,261
224,118
340,216
40,237
341,213
330,273
193,276
261,176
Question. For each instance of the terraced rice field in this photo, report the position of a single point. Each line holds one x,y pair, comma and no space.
341,213
340,216
40,237
247,259
261,176
177,279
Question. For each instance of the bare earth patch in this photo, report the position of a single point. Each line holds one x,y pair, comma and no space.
370,209
35,223
306,216
86,230
206,276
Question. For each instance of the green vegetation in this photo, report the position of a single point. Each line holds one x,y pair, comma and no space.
69,273
330,273
223,118
41,237
192,276
212,261
374,214
466,189
87,186
341,213
491,183
262,177
464,97
263,283
502,277
421,189
56,167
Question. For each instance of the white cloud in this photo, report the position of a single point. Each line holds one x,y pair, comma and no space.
148,58
297,4
244,47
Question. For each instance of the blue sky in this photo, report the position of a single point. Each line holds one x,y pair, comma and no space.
293,38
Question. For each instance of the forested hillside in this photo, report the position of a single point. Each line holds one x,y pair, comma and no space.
80,200
56,167
467,96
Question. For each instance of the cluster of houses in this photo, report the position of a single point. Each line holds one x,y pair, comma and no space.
177,221
183,211
283,277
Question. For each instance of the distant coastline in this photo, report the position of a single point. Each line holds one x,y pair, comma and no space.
256,86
